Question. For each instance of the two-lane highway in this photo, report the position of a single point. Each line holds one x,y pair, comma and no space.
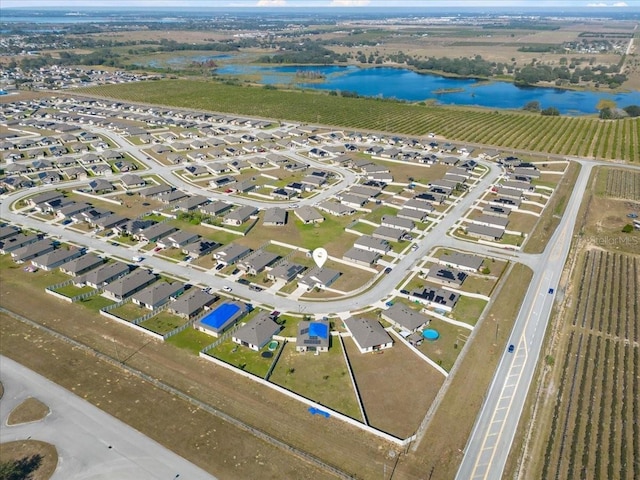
490,442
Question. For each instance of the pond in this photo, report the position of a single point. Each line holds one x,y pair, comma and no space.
404,84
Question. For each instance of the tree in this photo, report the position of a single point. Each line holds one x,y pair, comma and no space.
550,112
632,110
533,106
628,228
606,113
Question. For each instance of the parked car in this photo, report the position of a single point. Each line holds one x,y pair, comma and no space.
388,270
220,266
226,289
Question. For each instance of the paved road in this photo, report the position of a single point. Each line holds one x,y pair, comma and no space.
489,444
91,444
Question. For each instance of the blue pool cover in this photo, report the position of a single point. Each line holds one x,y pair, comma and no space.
319,330
220,315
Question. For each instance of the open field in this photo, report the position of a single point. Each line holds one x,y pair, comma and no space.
589,407
579,136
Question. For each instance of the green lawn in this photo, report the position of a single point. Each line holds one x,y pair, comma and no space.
363,228
71,290
376,215
323,378
468,309
96,302
243,357
445,350
191,339
129,311
163,323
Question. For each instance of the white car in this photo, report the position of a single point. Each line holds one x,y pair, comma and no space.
226,289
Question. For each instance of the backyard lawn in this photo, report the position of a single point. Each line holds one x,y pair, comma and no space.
163,322
243,357
323,378
191,339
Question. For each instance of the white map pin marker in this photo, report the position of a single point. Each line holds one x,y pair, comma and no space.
320,256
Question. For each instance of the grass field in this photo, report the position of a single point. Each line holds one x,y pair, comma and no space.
323,378
579,136
446,349
242,357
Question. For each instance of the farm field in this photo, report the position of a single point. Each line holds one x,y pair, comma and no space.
578,136
623,184
590,410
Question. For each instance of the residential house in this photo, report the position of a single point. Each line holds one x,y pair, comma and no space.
178,239
157,294
199,248
365,258
231,253
107,222
257,332
404,317
191,303
10,244
131,180
393,221
156,191
215,208
436,298
308,215
101,276
491,221
335,208
388,233
286,271
368,334
220,319
192,203
372,244
484,233
131,283
462,261
257,261
275,216
99,185
56,258
32,250
82,264
155,232
446,275
240,215
313,336
319,278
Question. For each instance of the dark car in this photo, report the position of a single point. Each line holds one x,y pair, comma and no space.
220,266
511,348
388,270
551,291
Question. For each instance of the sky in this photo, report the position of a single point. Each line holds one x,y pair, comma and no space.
70,4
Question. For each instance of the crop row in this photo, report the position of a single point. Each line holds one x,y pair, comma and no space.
594,426
607,294
510,130
623,184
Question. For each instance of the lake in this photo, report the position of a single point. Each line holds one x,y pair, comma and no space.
404,84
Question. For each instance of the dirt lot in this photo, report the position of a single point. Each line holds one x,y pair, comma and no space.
396,387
